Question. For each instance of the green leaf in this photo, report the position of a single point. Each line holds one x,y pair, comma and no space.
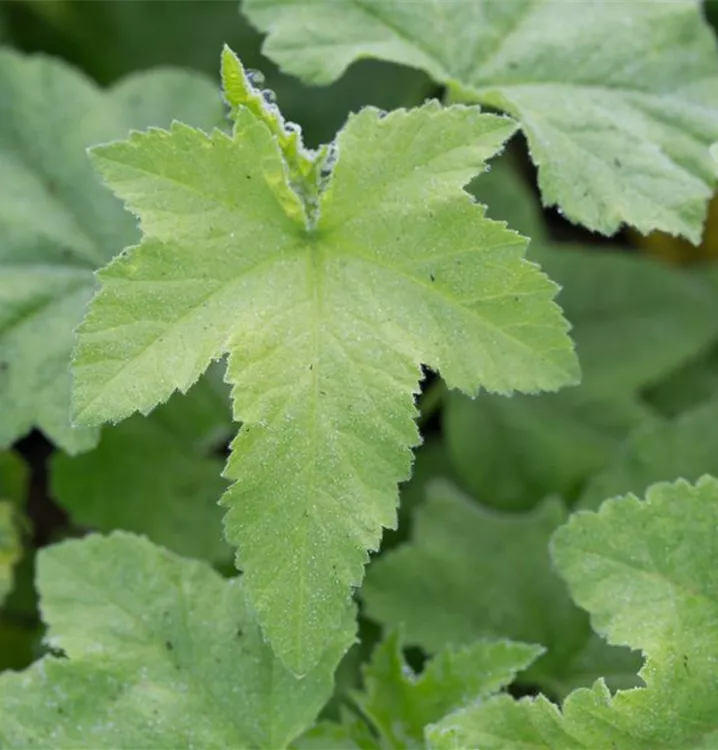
512,452
619,113
327,311
351,734
686,447
400,703
161,652
634,321
58,224
471,573
647,573
155,475
10,548
688,386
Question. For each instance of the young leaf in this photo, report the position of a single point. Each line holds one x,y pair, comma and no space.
400,703
647,573
327,311
153,475
58,225
619,112
471,573
161,652
10,547
686,446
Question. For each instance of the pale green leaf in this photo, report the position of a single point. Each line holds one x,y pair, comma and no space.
326,325
10,547
161,652
400,703
57,224
647,571
470,573
155,475
619,109
686,446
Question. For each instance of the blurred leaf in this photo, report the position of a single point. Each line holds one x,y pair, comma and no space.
10,548
510,452
59,224
160,652
688,386
647,573
634,321
14,475
470,573
685,447
154,475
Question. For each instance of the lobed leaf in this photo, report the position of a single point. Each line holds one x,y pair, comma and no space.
469,573
327,312
619,109
400,703
159,652
646,571
57,225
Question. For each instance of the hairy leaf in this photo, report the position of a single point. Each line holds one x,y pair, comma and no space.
400,703
647,573
327,299
154,475
161,652
471,573
619,109
58,224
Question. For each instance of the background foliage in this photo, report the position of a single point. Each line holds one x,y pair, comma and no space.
491,581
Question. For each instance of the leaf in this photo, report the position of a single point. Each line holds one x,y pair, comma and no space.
400,703
634,321
154,476
619,113
512,452
50,114
646,571
10,548
161,652
688,386
327,310
686,447
471,573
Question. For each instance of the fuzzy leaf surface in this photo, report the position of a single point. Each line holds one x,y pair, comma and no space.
326,326
161,652
155,475
619,109
58,224
647,573
469,573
